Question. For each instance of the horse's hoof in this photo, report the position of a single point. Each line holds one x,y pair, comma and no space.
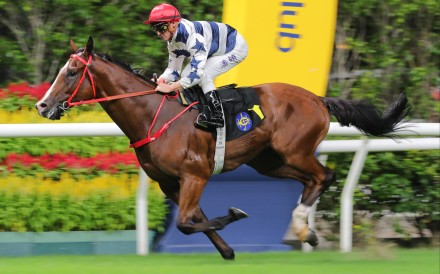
229,255
237,213
312,239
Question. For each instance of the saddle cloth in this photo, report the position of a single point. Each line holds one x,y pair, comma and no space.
241,108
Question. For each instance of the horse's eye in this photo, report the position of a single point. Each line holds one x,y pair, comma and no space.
70,73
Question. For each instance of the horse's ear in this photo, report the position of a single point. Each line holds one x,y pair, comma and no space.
73,46
89,46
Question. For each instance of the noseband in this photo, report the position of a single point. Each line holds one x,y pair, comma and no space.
87,64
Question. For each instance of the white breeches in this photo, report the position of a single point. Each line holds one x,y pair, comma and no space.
216,65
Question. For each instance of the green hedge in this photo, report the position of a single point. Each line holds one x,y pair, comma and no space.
81,146
406,181
43,212
13,103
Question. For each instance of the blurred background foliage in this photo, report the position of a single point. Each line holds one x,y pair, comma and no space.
35,34
382,48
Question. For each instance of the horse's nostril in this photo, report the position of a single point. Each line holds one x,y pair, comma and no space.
40,106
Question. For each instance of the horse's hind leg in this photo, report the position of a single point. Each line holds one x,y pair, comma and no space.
296,149
314,186
316,179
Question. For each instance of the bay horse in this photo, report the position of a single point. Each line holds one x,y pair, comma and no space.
181,160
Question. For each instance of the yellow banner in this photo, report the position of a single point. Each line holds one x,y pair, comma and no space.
289,41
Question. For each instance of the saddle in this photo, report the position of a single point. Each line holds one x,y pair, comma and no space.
241,107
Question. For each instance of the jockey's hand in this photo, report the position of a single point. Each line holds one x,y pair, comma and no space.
167,88
158,80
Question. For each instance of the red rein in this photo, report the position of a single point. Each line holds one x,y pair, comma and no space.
110,98
139,143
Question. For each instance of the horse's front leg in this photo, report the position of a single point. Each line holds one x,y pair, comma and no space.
199,216
191,189
234,214
223,248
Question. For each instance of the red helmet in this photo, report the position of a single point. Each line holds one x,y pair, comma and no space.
163,13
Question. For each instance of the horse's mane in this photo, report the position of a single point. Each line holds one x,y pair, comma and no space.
138,72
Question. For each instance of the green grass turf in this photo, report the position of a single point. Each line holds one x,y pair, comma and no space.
389,261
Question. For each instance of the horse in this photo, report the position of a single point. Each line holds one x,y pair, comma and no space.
181,157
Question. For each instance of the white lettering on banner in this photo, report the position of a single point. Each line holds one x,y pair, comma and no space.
285,41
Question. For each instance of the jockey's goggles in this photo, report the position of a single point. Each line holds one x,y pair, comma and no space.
160,27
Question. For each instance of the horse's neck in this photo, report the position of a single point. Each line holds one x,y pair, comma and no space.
133,115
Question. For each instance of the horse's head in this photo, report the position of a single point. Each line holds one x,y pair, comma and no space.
73,83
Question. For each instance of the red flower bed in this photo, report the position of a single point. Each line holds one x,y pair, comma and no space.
109,161
23,89
2,93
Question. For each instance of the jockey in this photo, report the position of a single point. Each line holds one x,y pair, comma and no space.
211,49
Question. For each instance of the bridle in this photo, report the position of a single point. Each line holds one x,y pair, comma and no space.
68,104
150,137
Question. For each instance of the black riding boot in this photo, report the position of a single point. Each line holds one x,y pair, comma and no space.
211,116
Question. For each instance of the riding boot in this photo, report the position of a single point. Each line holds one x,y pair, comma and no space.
212,115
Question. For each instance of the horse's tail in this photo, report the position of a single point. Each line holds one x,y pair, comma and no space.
366,117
